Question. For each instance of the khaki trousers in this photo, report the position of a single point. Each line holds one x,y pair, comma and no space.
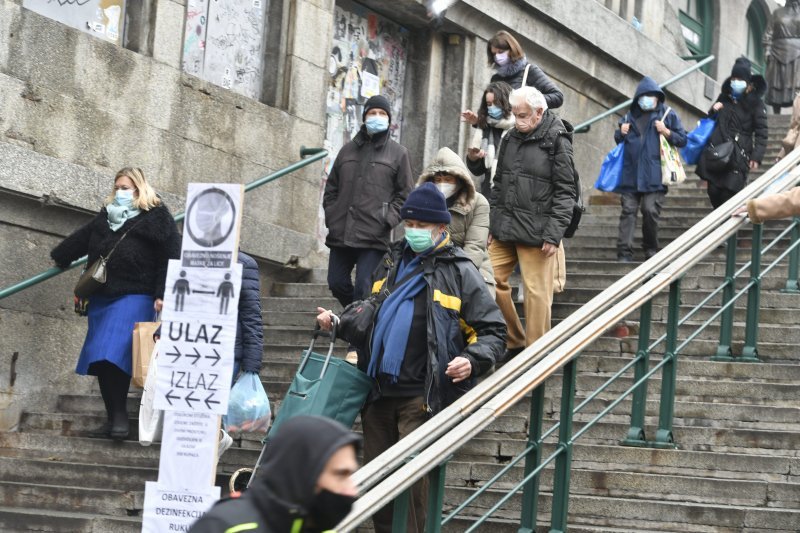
538,273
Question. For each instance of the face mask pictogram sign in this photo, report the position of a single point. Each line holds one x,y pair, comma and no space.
195,359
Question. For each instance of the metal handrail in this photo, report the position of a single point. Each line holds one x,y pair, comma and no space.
439,437
309,155
583,127
430,431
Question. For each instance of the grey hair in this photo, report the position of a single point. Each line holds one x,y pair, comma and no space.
528,95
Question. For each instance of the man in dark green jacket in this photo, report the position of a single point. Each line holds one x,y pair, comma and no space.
304,485
533,194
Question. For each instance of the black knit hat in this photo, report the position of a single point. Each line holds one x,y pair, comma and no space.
426,204
741,69
380,102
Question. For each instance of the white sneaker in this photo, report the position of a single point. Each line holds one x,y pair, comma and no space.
225,442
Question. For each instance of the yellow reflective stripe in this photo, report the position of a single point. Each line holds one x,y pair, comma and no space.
242,527
376,287
447,301
472,335
297,525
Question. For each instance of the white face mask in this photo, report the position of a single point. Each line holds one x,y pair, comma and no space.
447,189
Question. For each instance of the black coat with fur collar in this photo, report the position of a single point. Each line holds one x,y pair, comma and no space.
139,264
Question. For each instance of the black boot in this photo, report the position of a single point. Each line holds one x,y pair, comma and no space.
104,431
120,382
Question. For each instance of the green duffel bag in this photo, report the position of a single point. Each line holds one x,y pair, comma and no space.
324,386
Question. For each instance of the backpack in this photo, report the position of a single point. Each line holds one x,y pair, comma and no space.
550,144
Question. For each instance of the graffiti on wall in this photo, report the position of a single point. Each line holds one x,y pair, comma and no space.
100,18
223,43
367,57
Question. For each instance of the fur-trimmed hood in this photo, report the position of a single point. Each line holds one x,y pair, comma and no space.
757,82
448,161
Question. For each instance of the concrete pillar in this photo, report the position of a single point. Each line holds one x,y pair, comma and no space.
168,31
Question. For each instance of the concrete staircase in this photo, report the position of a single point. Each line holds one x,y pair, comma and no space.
737,468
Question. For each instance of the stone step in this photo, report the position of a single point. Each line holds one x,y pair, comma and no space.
13,519
106,501
65,473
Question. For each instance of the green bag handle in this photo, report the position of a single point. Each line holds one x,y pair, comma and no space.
318,332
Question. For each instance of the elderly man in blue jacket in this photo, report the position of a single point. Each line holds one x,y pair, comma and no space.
641,186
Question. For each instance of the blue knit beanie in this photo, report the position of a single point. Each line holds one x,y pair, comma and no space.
426,204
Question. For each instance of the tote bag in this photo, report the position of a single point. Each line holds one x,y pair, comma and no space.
672,171
697,139
611,171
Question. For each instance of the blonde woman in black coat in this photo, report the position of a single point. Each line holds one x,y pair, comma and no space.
133,291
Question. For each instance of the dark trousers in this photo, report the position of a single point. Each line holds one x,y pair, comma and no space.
340,268
718,195
650,204
385,421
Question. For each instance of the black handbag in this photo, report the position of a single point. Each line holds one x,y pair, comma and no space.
96,274
721,157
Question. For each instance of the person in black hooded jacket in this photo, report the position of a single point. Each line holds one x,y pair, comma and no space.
303,486
741,117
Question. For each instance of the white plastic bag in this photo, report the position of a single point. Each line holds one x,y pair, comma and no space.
248,405
151,421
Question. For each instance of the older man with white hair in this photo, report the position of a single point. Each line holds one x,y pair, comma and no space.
533,194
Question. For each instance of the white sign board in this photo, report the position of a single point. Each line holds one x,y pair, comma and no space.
188,450
198,334
211,226
166,509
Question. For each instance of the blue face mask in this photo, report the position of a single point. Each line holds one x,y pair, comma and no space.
376,124
419,239
124,198
738,86
495,112
647,103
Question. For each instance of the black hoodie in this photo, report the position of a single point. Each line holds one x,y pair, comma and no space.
285,487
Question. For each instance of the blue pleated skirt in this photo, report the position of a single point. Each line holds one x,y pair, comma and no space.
110,334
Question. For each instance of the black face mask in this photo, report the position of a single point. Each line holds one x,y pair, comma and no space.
329,508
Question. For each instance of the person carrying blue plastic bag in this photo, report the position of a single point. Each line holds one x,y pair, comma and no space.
611,170
641,185
697,139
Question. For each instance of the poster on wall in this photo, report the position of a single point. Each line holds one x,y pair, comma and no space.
223,43
104,19
368,57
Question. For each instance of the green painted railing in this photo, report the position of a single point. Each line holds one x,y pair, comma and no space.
309,155
387,478
584,127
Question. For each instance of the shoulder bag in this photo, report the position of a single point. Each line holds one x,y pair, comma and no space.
96,274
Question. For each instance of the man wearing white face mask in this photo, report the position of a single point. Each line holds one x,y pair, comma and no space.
469,209
366,187
640,187
533,195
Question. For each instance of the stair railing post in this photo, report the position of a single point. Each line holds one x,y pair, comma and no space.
636,434
669,375
530,492
750,350
724,352
400,512
558,522
792,284
433,521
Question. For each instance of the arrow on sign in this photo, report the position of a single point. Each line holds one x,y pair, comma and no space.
177,353
170,398
209,400
215,357
196,356
189,398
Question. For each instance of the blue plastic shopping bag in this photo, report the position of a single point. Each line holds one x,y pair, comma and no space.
611,171
697,139
248,405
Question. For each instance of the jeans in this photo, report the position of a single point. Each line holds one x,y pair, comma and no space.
650,204
340,268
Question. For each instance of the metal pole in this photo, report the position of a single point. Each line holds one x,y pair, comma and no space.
792,284
636,435
433,522
400,512
530,493
558,523
724,352
669,375
750,351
